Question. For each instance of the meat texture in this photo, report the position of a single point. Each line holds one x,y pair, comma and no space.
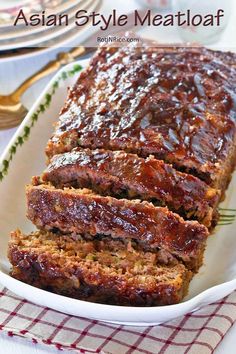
106,272
122,174
82,211
178,104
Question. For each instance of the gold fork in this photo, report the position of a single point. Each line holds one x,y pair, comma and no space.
12,110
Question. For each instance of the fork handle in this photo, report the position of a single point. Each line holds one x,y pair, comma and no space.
62,59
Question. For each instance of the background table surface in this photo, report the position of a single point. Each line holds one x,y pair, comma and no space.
11,75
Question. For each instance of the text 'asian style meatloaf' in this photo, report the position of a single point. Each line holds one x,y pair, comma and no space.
82,211
178,104
108,272
122,174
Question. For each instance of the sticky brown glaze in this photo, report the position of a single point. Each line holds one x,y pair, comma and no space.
178,104
121,174
98,271
82,211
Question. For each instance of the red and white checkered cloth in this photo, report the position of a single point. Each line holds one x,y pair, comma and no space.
199,332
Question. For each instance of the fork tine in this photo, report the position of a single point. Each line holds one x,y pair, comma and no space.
10,120
11,124
226,220
227,216
227,209
6,114
6,120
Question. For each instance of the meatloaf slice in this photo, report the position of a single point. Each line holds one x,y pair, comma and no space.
121,174
82,211
106,272
177,104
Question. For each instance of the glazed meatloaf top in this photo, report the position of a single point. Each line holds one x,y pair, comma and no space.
99,271
82,211
178,104
122,174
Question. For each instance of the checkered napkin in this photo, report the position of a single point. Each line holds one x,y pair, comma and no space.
199,332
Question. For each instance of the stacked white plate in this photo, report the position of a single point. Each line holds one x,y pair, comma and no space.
22,40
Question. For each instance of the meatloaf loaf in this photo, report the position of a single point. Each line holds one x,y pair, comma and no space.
177,104
107,272
126,175
150,131
82,211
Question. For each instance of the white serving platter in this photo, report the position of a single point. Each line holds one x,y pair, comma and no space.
24,157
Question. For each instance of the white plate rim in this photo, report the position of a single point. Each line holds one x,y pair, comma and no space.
63,45
47,35
214,293
60,8
21,31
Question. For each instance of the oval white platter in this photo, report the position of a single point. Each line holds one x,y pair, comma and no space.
24,157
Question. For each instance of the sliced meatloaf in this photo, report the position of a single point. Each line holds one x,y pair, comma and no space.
177,104
122,174
107,272
82,211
